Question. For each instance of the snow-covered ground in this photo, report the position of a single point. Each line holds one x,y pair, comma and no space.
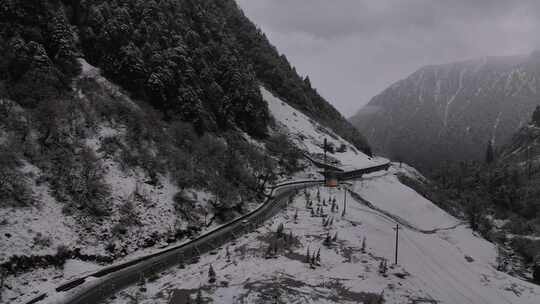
309,135
389,194
43,228
450,265
440,259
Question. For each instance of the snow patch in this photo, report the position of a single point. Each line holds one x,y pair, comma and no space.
309,135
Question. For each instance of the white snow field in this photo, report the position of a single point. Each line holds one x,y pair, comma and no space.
389,194
453,264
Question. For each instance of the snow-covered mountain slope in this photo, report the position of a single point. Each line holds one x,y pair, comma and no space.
46,218
309,136
450,111
448,265
440,259
37,238
388,194
152,207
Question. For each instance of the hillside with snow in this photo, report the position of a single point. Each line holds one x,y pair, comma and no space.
134,132
91,244
309,136
449,264
46,244
449,112
440,259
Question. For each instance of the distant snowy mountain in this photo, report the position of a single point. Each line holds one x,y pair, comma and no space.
450,111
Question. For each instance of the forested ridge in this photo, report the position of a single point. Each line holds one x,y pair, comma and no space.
198,61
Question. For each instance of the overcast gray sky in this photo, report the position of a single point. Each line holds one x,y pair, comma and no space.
353,49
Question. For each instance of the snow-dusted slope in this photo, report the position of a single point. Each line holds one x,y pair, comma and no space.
440,259
450,111
388,194
451,265
309,135
43,229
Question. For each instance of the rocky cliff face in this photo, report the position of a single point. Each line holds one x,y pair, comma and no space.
450,111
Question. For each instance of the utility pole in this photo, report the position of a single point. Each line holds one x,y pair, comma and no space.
344,200
325,170
397,235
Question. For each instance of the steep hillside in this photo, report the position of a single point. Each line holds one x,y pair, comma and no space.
126,126
199,61
99,178
309,135
450,112
47,241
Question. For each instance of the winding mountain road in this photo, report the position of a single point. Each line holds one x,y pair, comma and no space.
95,287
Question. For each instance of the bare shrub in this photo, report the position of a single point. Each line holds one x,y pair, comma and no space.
128,214
14,190
41,240
110,145
77,179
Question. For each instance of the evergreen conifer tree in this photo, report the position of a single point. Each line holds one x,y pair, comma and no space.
211,274
363,245
490,156
199,299
536,116
536,272
279,230
307,81
328,240
290,238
